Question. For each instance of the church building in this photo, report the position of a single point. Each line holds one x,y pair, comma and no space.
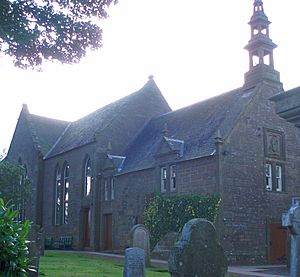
90,177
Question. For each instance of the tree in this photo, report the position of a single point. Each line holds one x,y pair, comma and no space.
32,31
14,186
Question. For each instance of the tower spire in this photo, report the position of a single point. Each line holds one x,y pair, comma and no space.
260,48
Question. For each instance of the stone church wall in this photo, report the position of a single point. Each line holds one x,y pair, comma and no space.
75,159
194,176
22,149
248,207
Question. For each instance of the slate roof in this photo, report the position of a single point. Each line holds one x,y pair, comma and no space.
45,131
117,123
196,125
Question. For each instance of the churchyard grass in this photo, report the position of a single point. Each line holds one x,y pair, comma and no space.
62,264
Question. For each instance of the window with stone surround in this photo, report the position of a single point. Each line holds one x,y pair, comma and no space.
87,176
66,194
106,189
58,192
274,176
163,179
268,168
112,189
22,179
173,178
278,178
274,160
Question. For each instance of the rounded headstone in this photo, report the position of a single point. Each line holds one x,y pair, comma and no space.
198,252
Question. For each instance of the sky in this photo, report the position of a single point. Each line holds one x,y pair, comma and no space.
193,48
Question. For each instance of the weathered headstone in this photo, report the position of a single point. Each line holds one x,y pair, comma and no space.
35,247
134,263
198,252
139,237
292,220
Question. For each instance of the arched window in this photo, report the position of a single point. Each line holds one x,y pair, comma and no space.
66,194
20,191
58,200
87,177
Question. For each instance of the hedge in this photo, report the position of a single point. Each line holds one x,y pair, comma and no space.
167,213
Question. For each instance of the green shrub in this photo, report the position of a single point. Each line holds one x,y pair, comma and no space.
164,213
14,252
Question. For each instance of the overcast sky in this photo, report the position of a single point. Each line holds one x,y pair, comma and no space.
194,49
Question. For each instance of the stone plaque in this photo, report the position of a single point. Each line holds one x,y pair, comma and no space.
274,144
134,263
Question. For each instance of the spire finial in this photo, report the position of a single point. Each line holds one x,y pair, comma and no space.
150,77
25,108
258,6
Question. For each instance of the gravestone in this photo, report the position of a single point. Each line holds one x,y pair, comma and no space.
35,248
292,220
198,252
134,263
139,237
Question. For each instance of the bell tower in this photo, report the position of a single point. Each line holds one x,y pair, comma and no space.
260,48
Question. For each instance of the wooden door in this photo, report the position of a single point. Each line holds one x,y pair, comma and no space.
277,243
86,227
108,232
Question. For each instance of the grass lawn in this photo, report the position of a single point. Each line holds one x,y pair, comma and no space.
61,264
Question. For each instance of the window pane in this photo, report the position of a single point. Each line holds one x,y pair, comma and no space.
163,179
58,195
278,178
87,177
105,190
173,177
268,174
112,189
66,194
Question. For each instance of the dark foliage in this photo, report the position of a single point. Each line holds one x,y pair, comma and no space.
165,213
14,186
34,30
14,252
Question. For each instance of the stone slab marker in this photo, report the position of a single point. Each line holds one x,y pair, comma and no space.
134,263
292,220
197,253
139,237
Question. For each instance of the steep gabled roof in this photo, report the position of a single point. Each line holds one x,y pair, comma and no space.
43,131
196,126
117,123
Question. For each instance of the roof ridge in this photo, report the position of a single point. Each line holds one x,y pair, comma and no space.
32,130
254,91
49,118
57,141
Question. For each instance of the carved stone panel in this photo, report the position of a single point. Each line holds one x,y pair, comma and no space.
274,144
